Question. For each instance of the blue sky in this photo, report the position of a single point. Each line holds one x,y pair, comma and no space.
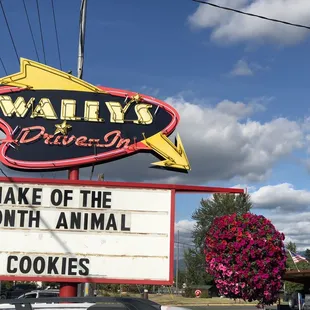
183,52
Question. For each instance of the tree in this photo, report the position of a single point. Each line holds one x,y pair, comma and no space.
195,265
217,205
307,254
291,246
181,278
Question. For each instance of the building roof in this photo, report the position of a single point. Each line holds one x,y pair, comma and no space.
302,276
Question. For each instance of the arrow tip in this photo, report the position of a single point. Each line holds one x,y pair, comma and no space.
177,160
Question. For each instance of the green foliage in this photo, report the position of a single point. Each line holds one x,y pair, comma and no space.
189,292
307,254
205,294
6,285
291,246
218,205
181,278
195,268
111,288
123,289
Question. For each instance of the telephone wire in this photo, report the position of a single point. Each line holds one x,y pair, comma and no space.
252,15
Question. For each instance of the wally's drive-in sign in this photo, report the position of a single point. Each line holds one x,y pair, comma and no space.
83,231
76,230
53,120
57,230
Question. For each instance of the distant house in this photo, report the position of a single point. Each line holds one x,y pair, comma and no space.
211,289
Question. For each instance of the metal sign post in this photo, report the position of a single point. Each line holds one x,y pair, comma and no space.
71,289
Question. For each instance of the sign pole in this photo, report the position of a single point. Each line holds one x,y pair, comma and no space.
82,38
73,173
70,289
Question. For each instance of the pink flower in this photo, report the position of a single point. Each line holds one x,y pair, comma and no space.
241,252
229,273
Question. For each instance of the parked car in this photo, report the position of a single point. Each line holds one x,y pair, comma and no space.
41,294
86,303
293,299
17,290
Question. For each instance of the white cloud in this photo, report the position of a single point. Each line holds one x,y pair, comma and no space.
229,27
283,197
241,68
238,109
149,90
286,207
183,235
249,188
288,210
184,226
244,68
221,143
295,227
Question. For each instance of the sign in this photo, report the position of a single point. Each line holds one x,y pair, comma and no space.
53,120
75,231
198,293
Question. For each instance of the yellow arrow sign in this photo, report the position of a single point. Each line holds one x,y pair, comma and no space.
38,76
175,156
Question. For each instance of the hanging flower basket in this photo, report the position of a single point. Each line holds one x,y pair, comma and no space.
246,256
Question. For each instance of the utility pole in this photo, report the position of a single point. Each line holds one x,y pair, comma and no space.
177,264
83,288
82,38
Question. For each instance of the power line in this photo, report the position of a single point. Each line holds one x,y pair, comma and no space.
183,243
41,32
32,36
55,25
8,26
253,15
187,229
3,66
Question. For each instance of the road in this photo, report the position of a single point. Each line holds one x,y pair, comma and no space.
226,307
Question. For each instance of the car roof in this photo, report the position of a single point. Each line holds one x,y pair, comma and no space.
43,291
84,303
80,303
45,306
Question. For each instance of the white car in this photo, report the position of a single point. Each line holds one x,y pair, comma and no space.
96,303
40,294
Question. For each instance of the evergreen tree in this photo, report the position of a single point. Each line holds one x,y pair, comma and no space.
291,246
307,254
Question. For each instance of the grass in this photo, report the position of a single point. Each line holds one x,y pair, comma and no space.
180,300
